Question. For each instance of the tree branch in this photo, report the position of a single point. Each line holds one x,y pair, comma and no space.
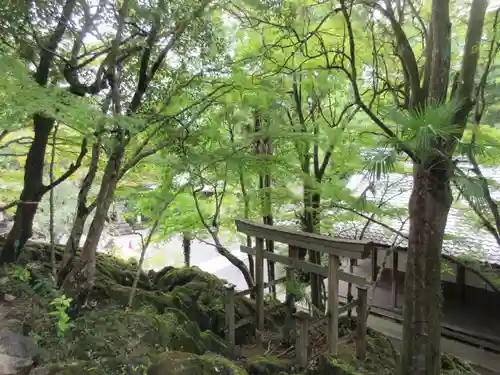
72,168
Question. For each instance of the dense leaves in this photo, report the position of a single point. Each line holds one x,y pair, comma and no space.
180,110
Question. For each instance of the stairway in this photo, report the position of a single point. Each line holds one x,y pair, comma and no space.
120,229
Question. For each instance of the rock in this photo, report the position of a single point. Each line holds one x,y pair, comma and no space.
78,368
127,338
336,366
14,365
198,294
8,297
267,366
16,353
181,363
42,370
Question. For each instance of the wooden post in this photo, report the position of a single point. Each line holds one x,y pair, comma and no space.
461,282
394,279
352,263
302,319
362,313
293,253
374,263
259,287
333,304
230,318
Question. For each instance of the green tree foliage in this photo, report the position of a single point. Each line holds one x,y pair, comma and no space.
206,101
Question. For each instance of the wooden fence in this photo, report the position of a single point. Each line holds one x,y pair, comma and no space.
334,248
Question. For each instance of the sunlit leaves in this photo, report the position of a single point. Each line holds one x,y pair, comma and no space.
21,97
382,163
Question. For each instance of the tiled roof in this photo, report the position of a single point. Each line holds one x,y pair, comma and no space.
478,244
464,238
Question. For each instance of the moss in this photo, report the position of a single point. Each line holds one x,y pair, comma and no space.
121,272
120,295
336,366
260,365
80,368
181,363
157,276
170,278
112,336
454,366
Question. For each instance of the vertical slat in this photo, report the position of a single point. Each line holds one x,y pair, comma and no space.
230,318
302,319
352,263
293,253
333,304
259,286
362,313
374,263
461,282
394,279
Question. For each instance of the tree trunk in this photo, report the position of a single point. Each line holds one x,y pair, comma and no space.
186,247
33,188
267,218
263,147
310,225
82,213
83,210
429,205
80,279
51,205
73,243
315,257
235,261
431,197
32,192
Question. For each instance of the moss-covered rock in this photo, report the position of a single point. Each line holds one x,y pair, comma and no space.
174,310
74,368
181,363
454,366
114,336
169,277
337,366
268,365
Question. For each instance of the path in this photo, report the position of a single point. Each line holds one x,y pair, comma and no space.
485,362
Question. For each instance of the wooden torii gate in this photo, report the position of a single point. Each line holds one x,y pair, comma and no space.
334,247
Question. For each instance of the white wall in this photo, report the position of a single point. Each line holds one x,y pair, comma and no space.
471,279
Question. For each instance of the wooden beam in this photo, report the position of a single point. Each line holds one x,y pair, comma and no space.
301,347
259,286
317,242
267,285
348,306
374,263
460,281
308,267
362,313
394,279
333,305
293,253
230,319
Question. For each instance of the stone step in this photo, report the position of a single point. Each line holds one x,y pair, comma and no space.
120,229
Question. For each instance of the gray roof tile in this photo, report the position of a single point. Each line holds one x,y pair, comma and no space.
464,238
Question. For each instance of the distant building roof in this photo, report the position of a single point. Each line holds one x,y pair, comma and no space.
463,236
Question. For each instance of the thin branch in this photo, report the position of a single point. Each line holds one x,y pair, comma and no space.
51,203
72,168
388,227
145,244
20,141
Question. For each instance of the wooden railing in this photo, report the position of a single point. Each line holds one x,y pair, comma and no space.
334,248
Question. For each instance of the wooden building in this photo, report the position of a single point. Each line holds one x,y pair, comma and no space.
471,299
